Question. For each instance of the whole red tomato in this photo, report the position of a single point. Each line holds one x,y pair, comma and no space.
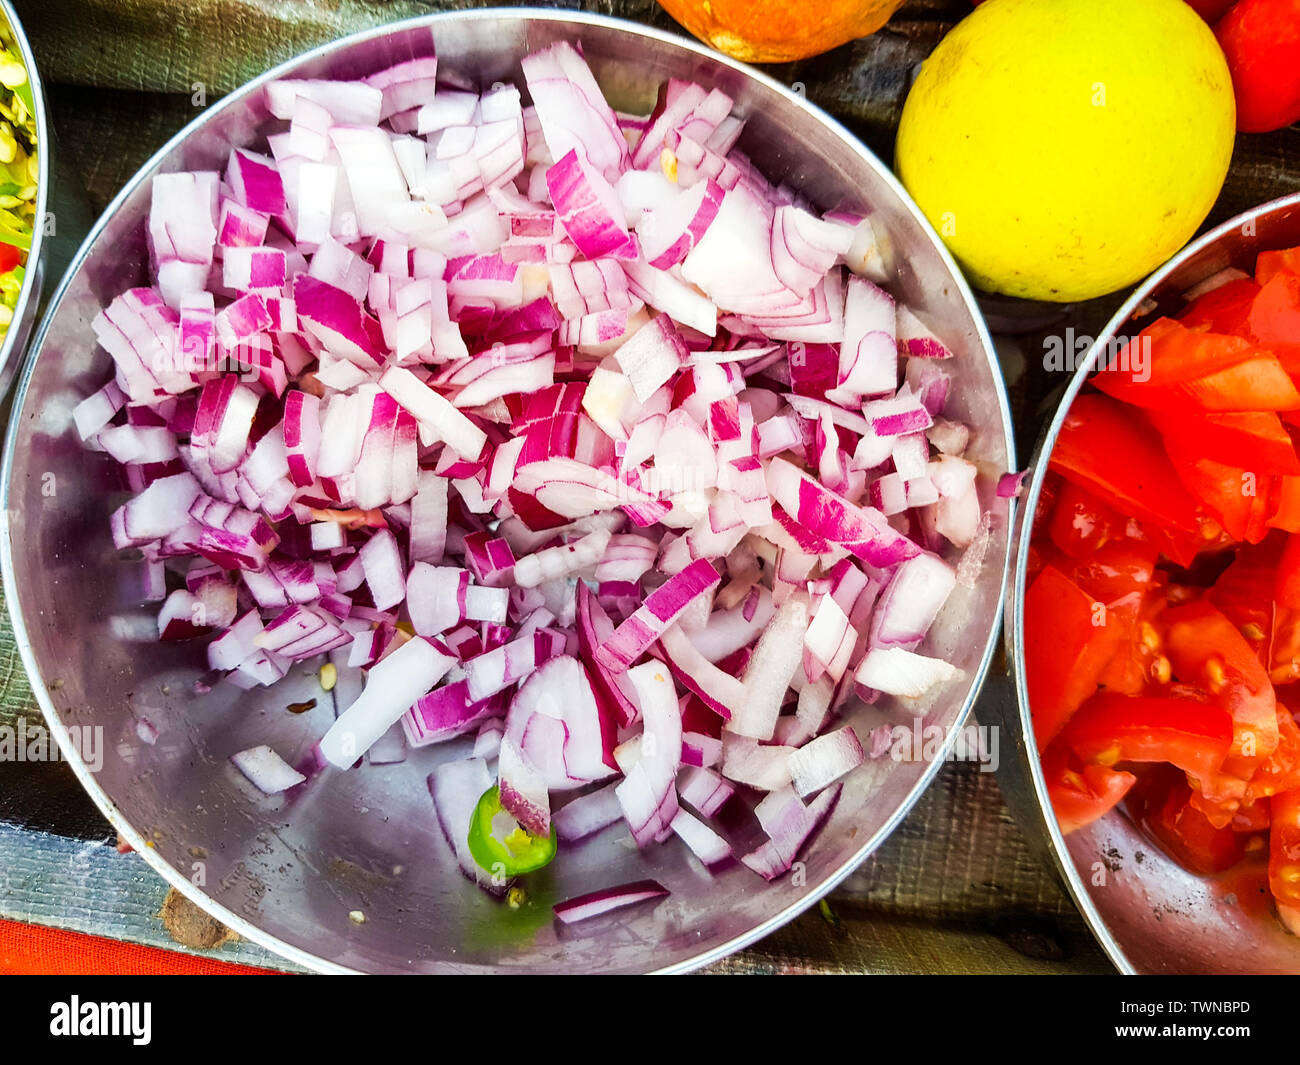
1261,39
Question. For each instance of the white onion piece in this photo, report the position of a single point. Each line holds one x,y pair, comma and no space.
588,814
824,760
391,688
268,772
705,844
778,654
456,787
898,672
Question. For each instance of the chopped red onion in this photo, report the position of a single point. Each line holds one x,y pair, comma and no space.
615,427
662,607
1009,484
789,825
762,766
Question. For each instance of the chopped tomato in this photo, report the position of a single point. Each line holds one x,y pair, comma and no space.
10,256
1188,835
1280,771
1224,309
1244,593
1221,812
1081,793
1047,500
1169,355
1254,440
1110,729
1181,369
1105,449
1286,508
1118,574
1221,792
1286,585
1082,523
1284,648
1174,527
1259,383
1238,498
1207,649
1274,321
1121,576
1139,664
1284,847
1182,548
1252,817
1271,263
1068,641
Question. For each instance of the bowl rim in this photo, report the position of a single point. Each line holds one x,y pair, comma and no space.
15,345
174,877
1023,539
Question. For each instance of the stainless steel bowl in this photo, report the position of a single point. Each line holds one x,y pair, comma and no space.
14,344
288,873
1149,914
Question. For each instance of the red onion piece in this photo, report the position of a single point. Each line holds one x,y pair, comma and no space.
661,608
824,760
456,788
607,900
588,814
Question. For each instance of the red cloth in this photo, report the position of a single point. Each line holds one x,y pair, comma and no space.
31,950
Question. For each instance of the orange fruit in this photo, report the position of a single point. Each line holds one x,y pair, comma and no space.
777,31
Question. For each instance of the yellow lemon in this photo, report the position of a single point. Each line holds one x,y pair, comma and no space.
1065,148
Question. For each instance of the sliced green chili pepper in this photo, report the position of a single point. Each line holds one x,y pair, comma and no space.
501,845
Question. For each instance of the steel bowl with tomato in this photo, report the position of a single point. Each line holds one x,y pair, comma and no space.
1153,621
